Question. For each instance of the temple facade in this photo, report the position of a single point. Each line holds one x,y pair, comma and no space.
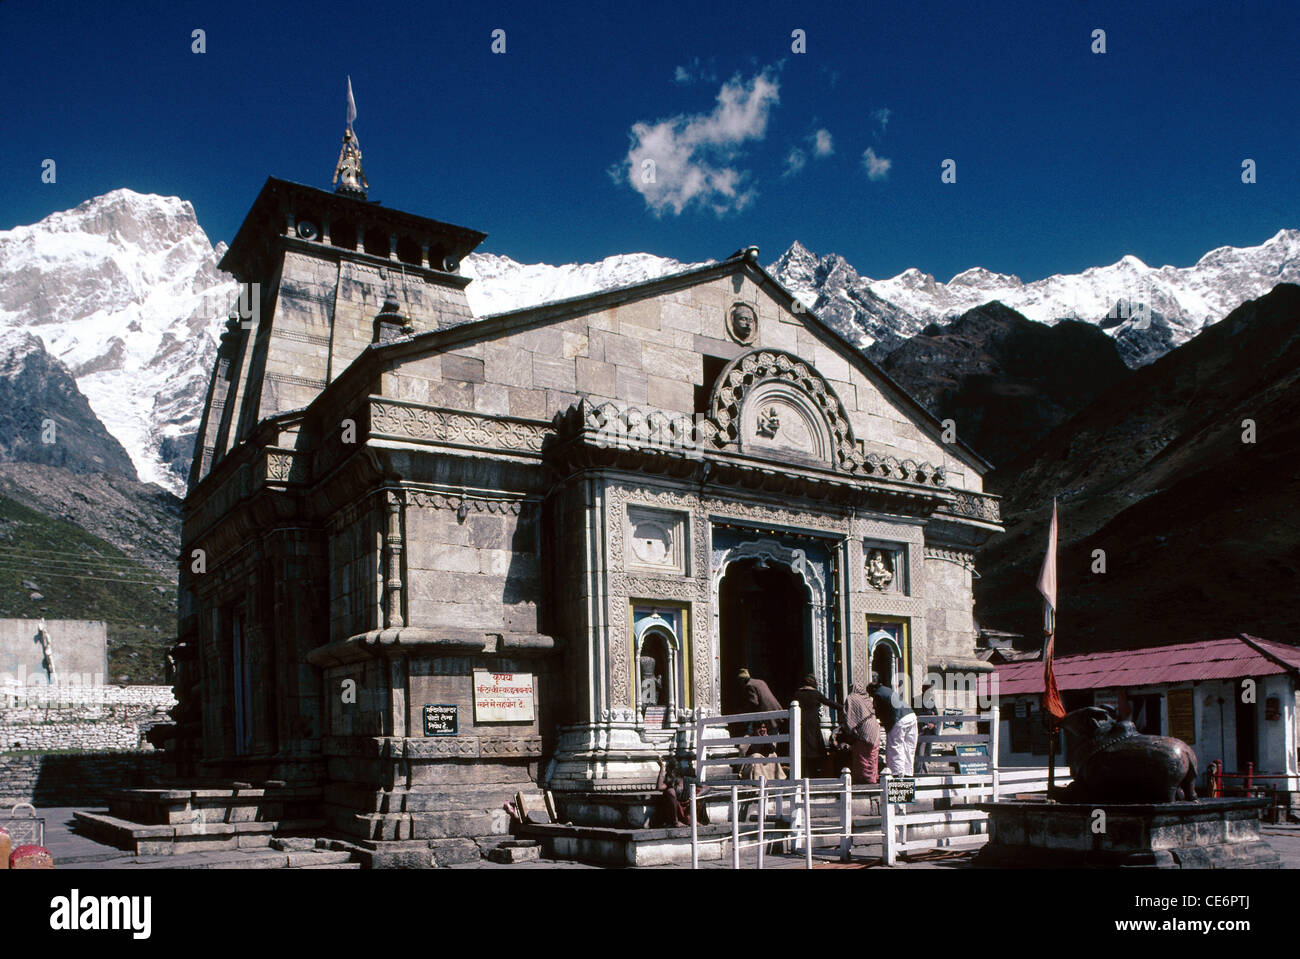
430,559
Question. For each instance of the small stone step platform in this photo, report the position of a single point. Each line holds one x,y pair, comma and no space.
167,839
160,822
614,846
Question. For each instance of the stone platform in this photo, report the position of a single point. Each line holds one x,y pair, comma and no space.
163,822
1206,834
609,846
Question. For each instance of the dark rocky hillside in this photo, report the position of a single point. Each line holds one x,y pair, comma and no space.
1004,380
45,419
1201,530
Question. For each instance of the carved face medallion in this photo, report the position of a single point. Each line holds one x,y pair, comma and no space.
742,323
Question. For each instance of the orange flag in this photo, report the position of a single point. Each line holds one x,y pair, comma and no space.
1051,701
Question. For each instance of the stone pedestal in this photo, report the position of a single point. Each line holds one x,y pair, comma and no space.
1207,834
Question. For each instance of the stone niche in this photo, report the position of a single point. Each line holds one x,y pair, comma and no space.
656,540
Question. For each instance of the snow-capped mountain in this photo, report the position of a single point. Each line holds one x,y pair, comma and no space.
1148,310
124,290
501,285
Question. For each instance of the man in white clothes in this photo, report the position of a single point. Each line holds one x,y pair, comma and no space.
900,729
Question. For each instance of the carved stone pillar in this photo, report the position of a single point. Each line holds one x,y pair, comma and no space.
393,562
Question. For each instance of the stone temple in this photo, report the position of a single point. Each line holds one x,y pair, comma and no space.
430,559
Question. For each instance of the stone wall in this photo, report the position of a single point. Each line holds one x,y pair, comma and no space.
950,621
74,779
83,718
651,353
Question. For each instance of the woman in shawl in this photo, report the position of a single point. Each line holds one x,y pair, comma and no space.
862,730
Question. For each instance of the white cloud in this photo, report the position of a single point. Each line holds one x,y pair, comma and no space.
822,144
695,70
795,162
881,116
691,159
877,167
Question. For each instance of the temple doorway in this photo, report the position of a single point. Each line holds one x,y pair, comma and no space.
765,625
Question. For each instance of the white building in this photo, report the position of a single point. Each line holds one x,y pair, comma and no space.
1233,700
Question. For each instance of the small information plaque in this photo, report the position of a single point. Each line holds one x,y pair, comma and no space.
902,789
972,760
503,697
441,719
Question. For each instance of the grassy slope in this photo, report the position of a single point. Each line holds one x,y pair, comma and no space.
81,576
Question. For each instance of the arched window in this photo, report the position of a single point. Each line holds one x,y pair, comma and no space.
657,671
885,653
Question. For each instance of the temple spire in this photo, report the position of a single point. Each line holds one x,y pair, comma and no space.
348,175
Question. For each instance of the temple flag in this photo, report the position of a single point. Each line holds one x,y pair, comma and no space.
1051,702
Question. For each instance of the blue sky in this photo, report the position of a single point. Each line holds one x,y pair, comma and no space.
1064,158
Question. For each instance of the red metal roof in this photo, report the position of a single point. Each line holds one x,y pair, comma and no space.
1184,662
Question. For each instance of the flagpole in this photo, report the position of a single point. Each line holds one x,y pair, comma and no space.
1053,710
1051,718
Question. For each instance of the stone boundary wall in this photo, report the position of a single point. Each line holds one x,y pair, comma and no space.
81,718
89,736
76,779
44,696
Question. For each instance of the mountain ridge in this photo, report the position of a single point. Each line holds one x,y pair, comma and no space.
124,290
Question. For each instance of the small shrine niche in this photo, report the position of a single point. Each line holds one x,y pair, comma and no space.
657,673
885,568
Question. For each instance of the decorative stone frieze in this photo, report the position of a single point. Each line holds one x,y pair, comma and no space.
963,558
453,428
979,506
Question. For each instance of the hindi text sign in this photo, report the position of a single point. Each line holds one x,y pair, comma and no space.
503,697
902,789
972,760
441,719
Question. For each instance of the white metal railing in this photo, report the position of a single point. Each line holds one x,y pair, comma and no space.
790,737
935,794
988,787
799,830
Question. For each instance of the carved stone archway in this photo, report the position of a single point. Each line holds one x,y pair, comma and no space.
781,378
810,572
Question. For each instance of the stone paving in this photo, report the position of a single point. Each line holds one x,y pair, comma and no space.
74,851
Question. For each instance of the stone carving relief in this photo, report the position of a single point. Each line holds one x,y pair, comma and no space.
964,559
769,422
980,506
427,499
742,323
880,570
285,467
776,416
622,587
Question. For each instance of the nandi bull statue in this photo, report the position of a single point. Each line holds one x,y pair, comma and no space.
1110,761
